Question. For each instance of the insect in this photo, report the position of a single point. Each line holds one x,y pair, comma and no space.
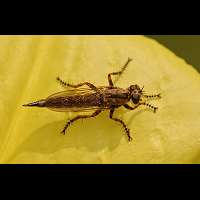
96,99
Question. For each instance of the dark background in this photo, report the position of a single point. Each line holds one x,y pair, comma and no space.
185,46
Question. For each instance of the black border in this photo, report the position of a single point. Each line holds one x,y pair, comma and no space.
101,170
114,18
121,181
71,21
82,17
99,27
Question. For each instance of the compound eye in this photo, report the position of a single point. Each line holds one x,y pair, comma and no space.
135,99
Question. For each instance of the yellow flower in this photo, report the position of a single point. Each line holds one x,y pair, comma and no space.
29,66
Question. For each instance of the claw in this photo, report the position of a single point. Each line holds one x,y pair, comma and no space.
63,132
155,109
130,139
130,59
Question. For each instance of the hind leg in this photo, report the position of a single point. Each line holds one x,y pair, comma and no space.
79,117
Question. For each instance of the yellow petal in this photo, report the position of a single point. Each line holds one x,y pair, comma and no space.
28,68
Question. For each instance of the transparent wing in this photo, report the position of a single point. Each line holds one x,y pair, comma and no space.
78,109
73,92
76,91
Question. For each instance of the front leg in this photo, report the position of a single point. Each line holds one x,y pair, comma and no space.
139,104
150,106
153,96
129,107
117,73
122,123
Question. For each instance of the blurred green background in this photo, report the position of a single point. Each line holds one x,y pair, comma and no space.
185,46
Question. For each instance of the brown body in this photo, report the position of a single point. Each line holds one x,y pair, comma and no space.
103,99
95,98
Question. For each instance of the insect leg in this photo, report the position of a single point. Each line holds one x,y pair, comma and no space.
63,83
146,104
117,73
79,117
121,122
153,96
129,107
149,105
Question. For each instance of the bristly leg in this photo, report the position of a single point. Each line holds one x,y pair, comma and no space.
79,117
129,107
118,73
121,122
64,84
143,103
152,96
152,107
149,105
